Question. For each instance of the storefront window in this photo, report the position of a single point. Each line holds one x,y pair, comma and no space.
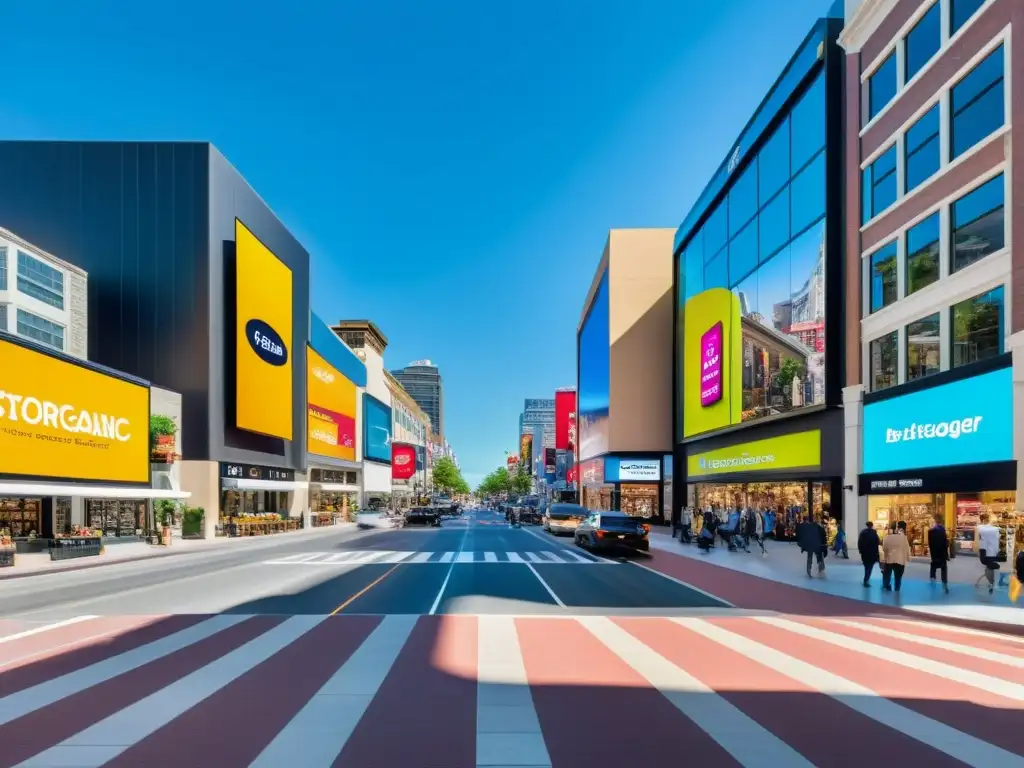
783,503
115,517
923,347
978,327
598,498
20,516
639,500
62,515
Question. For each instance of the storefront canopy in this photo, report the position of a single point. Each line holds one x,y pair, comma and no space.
338,487
243,484
16,489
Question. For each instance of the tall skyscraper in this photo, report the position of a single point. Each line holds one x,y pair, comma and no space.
422,380
538,417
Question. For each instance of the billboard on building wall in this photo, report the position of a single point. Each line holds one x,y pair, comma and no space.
376,430
526,452
565,420
594,376
330,410
263,338
403,461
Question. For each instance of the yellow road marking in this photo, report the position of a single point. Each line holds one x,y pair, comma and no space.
365,589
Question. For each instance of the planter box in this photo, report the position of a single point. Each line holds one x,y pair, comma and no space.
7,557
71,548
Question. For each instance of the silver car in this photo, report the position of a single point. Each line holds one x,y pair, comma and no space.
564,518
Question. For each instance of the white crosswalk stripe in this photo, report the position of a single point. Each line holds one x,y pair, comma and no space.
370,557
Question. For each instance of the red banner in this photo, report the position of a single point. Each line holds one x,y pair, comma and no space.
565,421
403,461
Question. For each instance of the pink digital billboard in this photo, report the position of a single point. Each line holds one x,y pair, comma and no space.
711,365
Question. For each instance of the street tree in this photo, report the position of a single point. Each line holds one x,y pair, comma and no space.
496,482
447,476
522,483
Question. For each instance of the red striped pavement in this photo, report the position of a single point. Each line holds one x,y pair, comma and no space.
468,691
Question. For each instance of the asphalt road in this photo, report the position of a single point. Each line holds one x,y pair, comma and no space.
475,565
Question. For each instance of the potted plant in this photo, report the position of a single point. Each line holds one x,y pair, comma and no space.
162,430
164,509
192,522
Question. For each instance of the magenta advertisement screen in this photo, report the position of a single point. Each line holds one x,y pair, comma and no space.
711,366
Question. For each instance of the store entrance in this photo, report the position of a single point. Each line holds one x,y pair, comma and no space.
783,504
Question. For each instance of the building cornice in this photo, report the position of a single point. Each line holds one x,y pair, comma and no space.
864,23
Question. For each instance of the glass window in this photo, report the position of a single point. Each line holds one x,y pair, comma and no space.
807,292
716,271
743,199
693,266
773,163
808,124
923,254
976,103
716,231
3,269
808,194
978,327
882,85
3,317
879,184
883,287
746,292
923,41
978,226
774,224
961,12
921,145
40,281
743,253
923,347
40,329
884,355
773,288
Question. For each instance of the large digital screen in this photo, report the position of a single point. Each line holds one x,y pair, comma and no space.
594,376
565,417
376,430
965,422
61,420
757,349
263,336
331,410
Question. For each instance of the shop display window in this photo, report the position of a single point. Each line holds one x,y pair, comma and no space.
598,498
22,517
115,517
638,500
62,515
785,502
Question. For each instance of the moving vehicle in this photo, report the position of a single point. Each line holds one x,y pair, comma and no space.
423,516
612,531
529,511
564,518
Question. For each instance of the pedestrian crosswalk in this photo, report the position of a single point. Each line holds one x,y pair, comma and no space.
464,691
375,556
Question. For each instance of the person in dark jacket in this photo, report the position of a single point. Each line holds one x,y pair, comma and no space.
938,548
810,535
868,544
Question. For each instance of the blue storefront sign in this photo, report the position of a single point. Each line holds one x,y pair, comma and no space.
969,421
622,469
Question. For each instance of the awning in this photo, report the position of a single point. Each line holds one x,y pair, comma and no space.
89,491
337,487
263,485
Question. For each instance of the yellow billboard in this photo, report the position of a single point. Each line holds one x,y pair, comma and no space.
798,451
62,420
330,410
263,333
712,362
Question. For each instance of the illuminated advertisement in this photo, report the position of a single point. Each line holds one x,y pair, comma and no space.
263,336
619,469
965,422
62,420
798,451
403,461
757,349
330,410
549,462
594,376
526,453
511,463
376,430
565,420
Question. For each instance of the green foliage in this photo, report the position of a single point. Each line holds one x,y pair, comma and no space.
192,521
522,483
496,482
165,509
160,426
447,477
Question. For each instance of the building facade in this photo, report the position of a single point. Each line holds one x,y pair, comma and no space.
538,420
934,311
624,375
422,380
758,307
410,426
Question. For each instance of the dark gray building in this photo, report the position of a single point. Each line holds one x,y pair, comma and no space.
154,226
422,380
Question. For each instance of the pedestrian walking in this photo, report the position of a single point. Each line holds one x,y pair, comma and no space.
868,544
896,555
755,529
988,550
810,536
938,548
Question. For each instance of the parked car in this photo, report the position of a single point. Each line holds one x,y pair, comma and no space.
422,516
564,518
612,531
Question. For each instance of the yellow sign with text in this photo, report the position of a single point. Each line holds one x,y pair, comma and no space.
801,450
330,409
62,420
263,329
712,362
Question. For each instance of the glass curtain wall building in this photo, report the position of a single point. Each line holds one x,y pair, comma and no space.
759,337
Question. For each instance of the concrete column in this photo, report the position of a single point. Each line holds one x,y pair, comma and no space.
202,480
1016,347
299,501
78,511
854,505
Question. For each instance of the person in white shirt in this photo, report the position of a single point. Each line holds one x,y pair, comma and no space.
988,549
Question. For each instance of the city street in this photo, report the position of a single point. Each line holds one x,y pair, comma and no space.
480,645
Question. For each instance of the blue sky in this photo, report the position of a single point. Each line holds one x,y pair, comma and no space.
453,166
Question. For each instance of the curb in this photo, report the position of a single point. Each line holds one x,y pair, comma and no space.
132,559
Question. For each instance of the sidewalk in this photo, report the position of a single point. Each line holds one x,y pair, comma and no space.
35,564
785,564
